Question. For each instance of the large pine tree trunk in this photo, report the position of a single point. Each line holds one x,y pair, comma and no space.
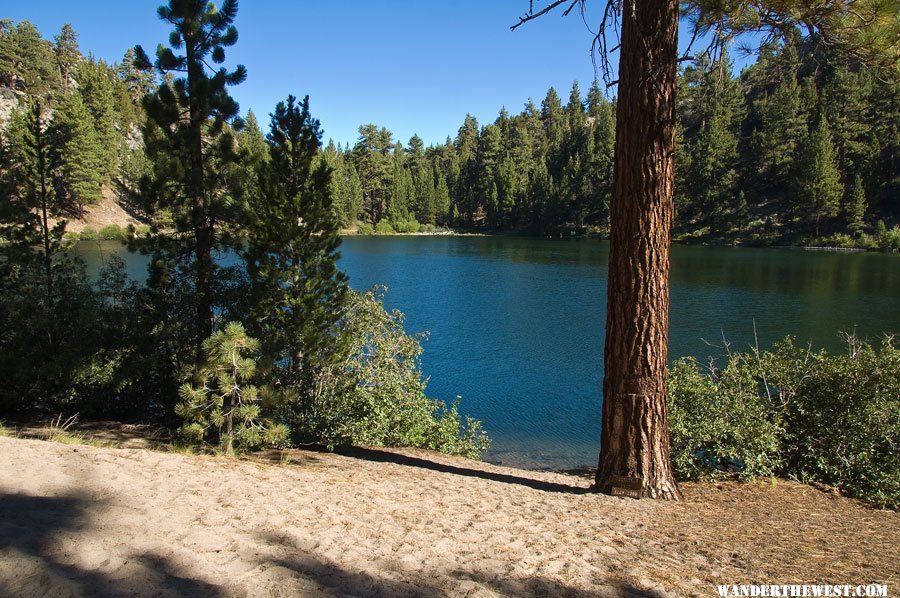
634,444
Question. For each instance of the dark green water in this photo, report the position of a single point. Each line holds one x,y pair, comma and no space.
516,325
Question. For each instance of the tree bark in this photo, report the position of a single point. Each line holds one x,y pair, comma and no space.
634,443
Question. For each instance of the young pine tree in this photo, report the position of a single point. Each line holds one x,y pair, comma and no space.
297,291
856,207
33,200
225,401
67,53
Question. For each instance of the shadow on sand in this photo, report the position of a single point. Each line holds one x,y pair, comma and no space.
382,456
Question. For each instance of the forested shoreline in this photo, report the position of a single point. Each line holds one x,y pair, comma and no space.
276,349
798,149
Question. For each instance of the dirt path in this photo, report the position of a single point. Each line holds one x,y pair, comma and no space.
79,520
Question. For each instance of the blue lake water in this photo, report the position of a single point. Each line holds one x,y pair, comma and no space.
516,325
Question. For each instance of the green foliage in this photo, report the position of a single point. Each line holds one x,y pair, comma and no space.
296,290
886,238
375,393
719,424
192,151
384,227
79,152
856,207
224,403
794,412
27,62
818,179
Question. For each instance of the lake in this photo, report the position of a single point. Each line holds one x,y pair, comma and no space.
516,324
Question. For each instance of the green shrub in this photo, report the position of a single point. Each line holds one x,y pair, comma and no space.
384,228
793,412
113,232
888,238
718,423
89,234
375,393
842,419
364,228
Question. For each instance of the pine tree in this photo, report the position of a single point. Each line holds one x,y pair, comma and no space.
34,203
856,207
97,87
374,165
27,61
781,121
297,290
225,400
188,141
489,156
67,54
714,149
441,197
817,179
140,83
78,151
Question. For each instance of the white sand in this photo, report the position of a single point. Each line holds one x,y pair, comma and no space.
84,521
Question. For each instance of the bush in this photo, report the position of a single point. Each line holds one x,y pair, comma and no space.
364,228
719,423
89,233
384,228
887,238
114,232
793,412
375,394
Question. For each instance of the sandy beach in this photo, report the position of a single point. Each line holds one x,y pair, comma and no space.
77,520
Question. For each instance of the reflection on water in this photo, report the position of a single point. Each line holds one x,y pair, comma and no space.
517,324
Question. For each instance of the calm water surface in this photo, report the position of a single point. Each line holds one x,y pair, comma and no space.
516,325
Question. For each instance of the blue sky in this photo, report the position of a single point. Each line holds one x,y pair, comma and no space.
413,66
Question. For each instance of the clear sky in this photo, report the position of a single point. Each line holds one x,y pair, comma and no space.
413,66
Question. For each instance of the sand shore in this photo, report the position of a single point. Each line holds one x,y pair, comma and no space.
85,521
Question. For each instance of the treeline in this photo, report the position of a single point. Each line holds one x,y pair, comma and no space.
797,146
272,349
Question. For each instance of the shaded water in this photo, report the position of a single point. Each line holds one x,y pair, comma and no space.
516,325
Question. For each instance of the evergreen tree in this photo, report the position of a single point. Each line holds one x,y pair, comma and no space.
441,197
817,179
140,83
297,290
35,204
465,190
67,54
96,84
79,152
372,158
489,156
27,61
781,121
188,141
225,400
714,148
856,207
